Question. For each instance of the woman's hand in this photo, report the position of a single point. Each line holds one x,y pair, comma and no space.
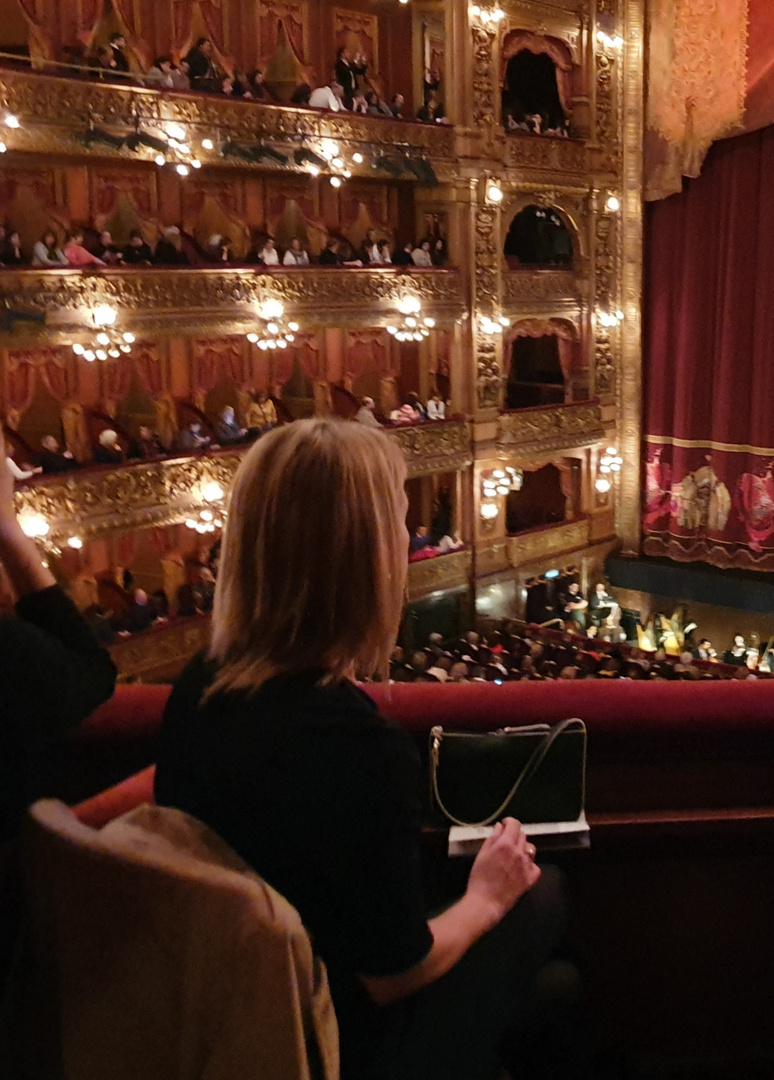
504,869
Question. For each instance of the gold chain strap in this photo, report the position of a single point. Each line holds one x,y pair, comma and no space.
530,768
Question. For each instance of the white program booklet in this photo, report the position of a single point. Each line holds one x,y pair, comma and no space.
467,839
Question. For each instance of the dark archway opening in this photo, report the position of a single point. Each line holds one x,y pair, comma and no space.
535,376
530,95
538,237
541,501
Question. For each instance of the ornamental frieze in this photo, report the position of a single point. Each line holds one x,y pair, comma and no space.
445,572
555,428
542,543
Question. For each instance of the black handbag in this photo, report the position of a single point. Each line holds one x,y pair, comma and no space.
535,773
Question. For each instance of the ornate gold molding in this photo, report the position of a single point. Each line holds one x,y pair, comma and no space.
554,289
542,543
162,301
528,152
536,432
95,502
446,572
161,652
56,113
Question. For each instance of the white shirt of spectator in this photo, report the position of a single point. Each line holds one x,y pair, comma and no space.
295,258
436,410
421,257
324,98
270,256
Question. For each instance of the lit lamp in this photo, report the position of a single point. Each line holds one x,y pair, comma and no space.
609,466
108,343
487,17
493,325
273,331
494,193
413,326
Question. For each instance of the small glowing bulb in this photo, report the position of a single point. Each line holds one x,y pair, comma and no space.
208,144
190,524
12,121
335,181
430,323
195,163
338,163
252,338
160,160
128,338
263,345
78,349
358,158
104,315
89,355
114,353
273,328
206,515
602,485
176,131
3,148
126,348
75,543
212,492
314,170
613,204
293,326
101,354
103,339
182,170
273,309
494,193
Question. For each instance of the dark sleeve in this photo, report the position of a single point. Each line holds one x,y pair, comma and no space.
182,703
387,918
51,668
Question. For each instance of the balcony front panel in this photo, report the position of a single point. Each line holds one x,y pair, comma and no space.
67,117
173,301
539,544
546,431
432,575
97,501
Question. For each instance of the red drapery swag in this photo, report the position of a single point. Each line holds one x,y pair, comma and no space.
556,50
566,336
709,317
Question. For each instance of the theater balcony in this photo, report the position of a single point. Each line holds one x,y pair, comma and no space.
75,118
173,301
545,431
92,503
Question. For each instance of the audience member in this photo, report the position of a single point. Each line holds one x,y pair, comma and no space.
52,672
366,414
438,253
396,106
404,256
259,91
202,70
301,95
117,47
227,754
406,414
385,256
204,590
47,253
76,254
107,250
180,76
169,251
329,256
52,459
347,70
736,655
436,407
219,248
190,439
261,415
137,252
432,111
12,254
20,472
108,449
369,250
139,615
268,254
295,255
574,605
412,399
419,539
161,75
375,105
147,445
227,430
421,256
704,650
186,602
603,609
105,67
330,96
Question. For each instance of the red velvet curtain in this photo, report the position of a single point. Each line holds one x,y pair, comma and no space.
709,317
539,45
150,369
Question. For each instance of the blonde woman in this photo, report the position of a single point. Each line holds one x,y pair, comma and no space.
270,741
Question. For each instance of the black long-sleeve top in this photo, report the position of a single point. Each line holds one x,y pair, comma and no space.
53,674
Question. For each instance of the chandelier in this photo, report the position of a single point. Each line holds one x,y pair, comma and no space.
273,331
213,515
413,326
104,342
179,151
493,326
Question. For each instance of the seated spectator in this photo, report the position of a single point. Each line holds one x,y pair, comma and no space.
108,449
366,414
186,602
12,254
412,399
190,439
375,106
419,539
348,255
147,445
295,255
259,91
385,256
105,68
52,459
219,248
438,252
406,414
448,543
301,95
117,48
137,252
359,105
159,603
161,75
47,253
241,86
169,251
268,254
574,605
202,70
76,254
107,250
736,655
180,79
204,590
369,249
403,256
20,472
432,112
227,430
139,615
396,106
261,415
330,96
329,256
421,256
436,407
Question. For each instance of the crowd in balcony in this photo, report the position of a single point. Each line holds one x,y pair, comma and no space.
348,89
513,652
95,249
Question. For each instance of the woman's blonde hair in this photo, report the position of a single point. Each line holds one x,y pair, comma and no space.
314,556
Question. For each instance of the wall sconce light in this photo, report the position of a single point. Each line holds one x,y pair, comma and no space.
495,485
609,466
493,326
612,203
488,17
609,319
609,41
11,121
494,193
